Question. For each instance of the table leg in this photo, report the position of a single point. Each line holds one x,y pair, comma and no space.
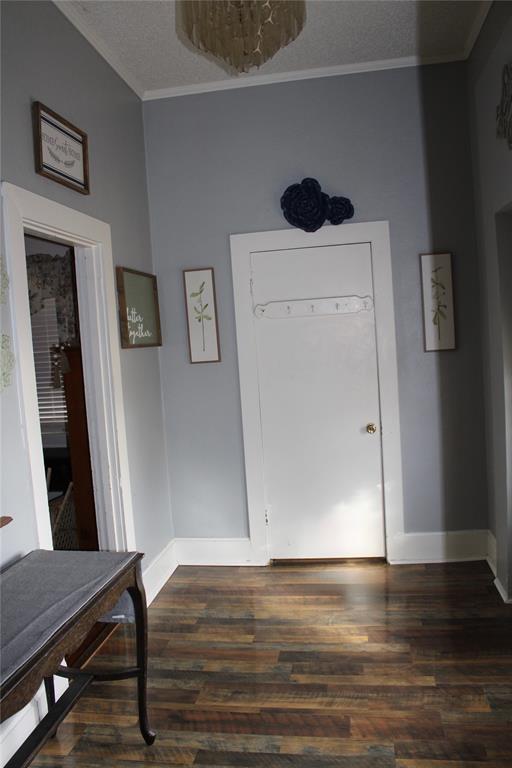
49,688
138,596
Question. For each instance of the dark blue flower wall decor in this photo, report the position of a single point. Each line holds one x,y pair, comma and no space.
305,206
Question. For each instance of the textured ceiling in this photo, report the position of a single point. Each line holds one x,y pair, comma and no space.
143,41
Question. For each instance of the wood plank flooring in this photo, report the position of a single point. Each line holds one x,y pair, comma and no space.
356,665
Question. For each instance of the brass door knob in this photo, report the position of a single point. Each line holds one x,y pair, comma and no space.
371,429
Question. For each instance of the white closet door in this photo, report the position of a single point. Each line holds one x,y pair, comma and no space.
319,398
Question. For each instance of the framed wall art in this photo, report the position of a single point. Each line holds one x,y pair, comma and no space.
438,316
139,314
201,307
61,149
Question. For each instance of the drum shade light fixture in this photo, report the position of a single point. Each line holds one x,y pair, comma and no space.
243,33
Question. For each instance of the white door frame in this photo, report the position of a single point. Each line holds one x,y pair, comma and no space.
376,234
25,212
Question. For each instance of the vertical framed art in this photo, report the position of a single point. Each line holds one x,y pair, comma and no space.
201,308
139,313
437,289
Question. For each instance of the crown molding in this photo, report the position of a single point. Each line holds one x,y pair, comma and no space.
244,81
477,27
75,17
68,9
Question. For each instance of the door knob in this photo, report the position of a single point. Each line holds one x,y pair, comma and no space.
371,429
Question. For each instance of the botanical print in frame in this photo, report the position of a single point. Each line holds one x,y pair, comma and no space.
61,149
438,317
203,332
138,309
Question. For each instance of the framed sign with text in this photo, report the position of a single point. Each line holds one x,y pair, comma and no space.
61,150
138,309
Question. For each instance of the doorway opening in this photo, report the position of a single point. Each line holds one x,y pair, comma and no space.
261,306
25,213
60,393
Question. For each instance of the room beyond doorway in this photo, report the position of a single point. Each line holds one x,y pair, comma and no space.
60,393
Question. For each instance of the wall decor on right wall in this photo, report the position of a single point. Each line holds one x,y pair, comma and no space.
438,317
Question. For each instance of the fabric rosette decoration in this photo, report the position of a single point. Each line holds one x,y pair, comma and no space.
340,208
305,206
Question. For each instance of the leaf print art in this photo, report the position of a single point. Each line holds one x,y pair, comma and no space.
200,310
438,300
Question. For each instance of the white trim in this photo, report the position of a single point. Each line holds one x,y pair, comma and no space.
492,562
491,552
216,552
502,591
15,729
377,234
27,212
76,18
159,571
411,548
440,547
243,81
476,27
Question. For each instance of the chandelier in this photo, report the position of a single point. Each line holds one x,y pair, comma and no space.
243,33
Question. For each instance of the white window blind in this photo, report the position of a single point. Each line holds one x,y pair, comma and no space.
51,401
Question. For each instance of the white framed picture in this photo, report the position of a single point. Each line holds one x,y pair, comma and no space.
438,317
201,306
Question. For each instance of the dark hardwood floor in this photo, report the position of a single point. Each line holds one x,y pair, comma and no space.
354,665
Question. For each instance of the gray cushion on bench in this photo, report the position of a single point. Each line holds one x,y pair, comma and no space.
44,590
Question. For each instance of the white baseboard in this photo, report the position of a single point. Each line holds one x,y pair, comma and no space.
492,562
444,547
215,552
15,730
448,547
438,547
159,570
503,592
491,551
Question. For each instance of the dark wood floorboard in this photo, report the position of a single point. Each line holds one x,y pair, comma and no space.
353,665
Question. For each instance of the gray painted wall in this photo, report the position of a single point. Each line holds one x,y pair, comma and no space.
45,58
397,143
492,163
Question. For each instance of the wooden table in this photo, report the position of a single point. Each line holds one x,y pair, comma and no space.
50,601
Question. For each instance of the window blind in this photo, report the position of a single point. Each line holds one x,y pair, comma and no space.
51,401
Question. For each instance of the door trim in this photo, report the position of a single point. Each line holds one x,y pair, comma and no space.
27,213
376,234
